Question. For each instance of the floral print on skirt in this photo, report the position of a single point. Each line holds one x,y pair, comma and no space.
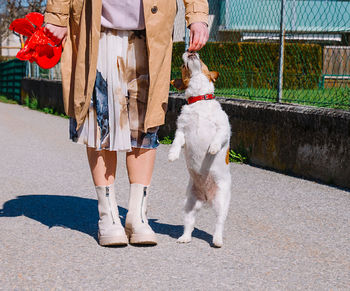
117,109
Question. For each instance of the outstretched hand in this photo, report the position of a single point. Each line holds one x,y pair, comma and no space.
199,35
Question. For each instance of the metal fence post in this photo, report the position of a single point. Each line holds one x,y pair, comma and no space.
51,74
36,71
282,35
28,70
187,38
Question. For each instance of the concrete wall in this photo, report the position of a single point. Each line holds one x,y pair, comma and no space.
48,93
305,141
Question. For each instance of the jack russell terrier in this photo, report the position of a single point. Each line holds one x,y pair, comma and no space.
204,130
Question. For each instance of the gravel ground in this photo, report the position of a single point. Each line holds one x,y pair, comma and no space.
282,232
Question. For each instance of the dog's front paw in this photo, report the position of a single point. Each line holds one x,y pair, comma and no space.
214,148
173,155
217,241
184,239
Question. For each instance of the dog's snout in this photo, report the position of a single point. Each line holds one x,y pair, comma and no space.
192,55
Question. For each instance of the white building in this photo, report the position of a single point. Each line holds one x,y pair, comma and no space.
10,45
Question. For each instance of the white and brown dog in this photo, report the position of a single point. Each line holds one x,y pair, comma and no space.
204,131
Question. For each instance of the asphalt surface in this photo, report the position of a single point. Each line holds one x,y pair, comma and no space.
282,232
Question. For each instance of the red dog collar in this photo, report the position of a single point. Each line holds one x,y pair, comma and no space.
193,99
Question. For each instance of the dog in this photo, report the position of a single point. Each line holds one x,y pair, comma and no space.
204,130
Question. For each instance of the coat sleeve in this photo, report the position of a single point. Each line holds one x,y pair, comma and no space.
57,12
196,11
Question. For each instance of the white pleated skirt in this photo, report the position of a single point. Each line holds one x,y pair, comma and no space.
115,120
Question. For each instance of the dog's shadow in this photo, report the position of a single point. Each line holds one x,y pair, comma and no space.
78,214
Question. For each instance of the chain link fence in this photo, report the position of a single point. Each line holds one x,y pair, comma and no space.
247,38
34,71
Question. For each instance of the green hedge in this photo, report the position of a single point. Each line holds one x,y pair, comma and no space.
255,65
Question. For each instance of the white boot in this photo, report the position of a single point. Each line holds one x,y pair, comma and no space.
136,223
110,230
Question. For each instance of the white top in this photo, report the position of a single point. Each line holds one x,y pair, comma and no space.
123,14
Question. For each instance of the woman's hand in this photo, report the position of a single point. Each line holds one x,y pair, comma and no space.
59,32
198,36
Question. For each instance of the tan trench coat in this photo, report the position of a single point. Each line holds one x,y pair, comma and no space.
79,58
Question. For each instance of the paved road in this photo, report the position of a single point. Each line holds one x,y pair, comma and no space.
282,233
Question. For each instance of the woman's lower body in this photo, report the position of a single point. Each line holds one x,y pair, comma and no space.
115,122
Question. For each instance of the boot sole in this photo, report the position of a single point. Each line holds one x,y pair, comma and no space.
113,240
141,239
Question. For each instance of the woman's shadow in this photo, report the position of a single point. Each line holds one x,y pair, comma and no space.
78,213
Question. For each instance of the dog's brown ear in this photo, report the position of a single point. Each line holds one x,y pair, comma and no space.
178,84
214,75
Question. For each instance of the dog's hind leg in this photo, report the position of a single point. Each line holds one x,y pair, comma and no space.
192,205
221,205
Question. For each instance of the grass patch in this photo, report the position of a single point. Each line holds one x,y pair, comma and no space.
4,99
338,98
32,103
166,140
235,157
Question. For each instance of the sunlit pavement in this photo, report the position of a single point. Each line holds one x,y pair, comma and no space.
282,232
